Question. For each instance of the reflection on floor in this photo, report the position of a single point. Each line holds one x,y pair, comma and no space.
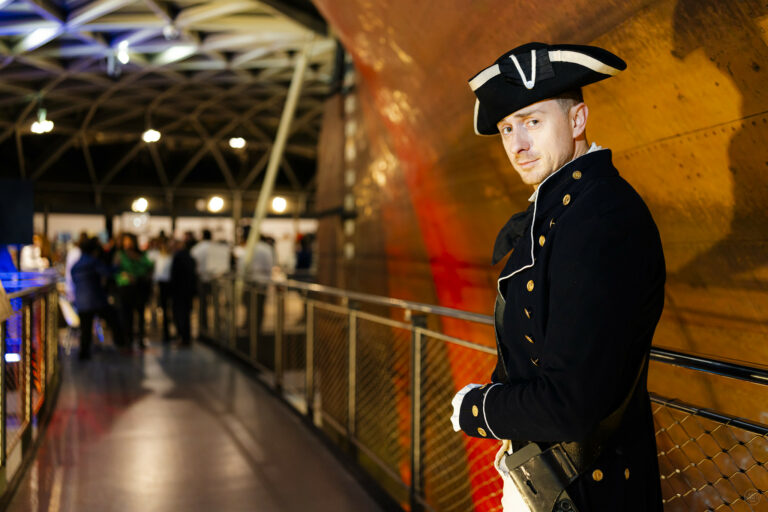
178,430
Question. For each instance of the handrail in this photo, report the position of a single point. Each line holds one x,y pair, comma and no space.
699,362
725,419
30,291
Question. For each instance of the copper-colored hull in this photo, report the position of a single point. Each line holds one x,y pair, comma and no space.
687,124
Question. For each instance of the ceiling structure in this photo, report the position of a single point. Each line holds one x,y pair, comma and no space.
198,71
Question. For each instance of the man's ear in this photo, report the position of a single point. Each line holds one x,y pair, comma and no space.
579,115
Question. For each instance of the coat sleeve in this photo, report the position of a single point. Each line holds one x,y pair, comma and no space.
606,293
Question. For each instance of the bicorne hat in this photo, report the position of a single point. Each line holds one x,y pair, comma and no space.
534,72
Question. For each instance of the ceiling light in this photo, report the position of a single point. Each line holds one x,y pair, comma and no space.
42,125
175,53
151,135
215,204
237,142
279,204
122,52
140,205
170,32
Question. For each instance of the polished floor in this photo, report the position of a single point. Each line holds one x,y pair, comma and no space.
178,430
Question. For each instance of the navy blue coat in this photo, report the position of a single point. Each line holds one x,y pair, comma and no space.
581,294
88,275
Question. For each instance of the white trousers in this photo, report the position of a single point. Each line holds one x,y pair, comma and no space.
511,500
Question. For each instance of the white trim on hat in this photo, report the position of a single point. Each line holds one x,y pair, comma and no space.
583,60
554,56
474,124
484,76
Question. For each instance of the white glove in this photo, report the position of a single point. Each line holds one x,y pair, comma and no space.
456,403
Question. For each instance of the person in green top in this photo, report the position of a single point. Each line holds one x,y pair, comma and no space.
134,284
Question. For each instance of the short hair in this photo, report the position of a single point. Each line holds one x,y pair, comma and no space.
207,234
570,98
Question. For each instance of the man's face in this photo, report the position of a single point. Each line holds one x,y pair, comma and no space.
539,139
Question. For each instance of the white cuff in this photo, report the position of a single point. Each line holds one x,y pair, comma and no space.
456,402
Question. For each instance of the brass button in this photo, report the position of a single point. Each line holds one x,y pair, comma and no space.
626,474
542,240
566,199
475,411
483,387
481,431
597,475
527,313
576,175
530,285
551,223
530,340
535,361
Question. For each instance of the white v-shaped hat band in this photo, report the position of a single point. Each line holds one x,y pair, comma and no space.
554,56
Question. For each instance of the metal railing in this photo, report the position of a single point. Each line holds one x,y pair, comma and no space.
376,375
29,370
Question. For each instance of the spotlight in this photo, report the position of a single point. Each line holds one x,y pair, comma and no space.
151,135
42,125
140,205
237,143
122,52
215,204
279,204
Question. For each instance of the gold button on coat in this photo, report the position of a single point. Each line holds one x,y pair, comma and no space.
481,431
542,240
566,199
475,411
576,175
597,475
527,313
626,474
530,285
551,223
530,340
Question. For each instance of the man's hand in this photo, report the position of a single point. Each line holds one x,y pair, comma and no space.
456,402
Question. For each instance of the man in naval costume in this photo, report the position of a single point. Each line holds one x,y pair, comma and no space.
578,299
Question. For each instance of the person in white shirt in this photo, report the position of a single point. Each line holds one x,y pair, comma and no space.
162,258
73,255
32,259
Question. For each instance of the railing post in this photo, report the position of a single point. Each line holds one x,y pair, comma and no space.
42,346
418,321
352,372
279,323
3,410
26,345
310,359
253,327
233,316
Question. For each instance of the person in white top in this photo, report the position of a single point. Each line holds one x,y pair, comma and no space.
73,255
212,260
162,258
32,259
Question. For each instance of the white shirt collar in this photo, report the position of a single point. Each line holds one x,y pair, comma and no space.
594,147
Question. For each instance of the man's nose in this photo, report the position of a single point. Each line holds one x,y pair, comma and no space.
520,142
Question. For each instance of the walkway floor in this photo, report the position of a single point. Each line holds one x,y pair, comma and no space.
178,430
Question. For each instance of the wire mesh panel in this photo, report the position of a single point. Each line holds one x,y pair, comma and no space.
708,465
383,397
457,470
331,365
294,330
264,314
16,418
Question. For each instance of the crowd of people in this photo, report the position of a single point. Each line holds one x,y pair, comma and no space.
116,281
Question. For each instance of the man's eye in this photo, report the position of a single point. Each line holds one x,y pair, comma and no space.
506,130
531,123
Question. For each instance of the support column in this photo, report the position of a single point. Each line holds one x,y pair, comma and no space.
277,153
